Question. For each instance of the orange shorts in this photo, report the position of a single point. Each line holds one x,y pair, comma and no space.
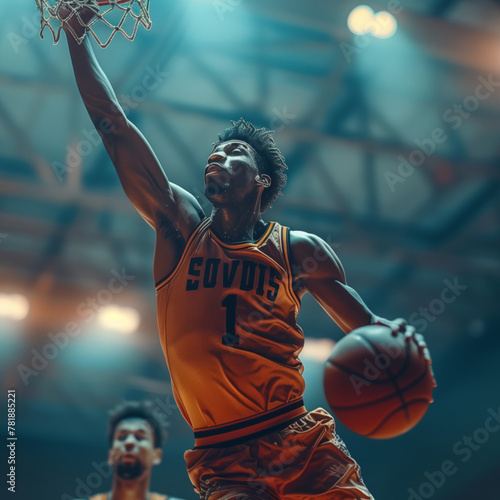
304,460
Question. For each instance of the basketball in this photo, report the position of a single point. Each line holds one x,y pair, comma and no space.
377,384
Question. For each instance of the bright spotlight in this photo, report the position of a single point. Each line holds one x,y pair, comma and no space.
384,25
360,19
13,306
119,319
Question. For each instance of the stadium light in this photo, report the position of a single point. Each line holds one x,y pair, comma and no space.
119,319
13,306
359,20
363,21
384,25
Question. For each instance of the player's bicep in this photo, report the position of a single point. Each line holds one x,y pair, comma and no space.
141,174
319,271
313,260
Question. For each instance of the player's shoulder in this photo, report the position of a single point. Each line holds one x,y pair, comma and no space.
188,209
312,256
182,214
302,240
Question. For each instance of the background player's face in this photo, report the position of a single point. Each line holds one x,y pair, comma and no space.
231,173
133,451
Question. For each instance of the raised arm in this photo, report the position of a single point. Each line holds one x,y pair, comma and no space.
163,205
318,270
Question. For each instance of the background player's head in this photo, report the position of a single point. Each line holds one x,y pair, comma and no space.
136,437
262,169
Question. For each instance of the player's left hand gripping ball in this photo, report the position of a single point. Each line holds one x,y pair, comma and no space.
400,325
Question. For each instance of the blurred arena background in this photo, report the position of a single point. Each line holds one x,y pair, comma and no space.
392,142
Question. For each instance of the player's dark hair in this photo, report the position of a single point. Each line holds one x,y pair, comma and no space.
137,409
269,159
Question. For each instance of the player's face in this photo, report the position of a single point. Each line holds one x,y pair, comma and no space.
231,174
133,451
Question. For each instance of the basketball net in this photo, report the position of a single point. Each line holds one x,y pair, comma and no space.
126,15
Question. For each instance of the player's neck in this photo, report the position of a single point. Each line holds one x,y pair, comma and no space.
130,490
235,225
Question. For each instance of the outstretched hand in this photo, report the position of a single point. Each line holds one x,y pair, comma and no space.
400,325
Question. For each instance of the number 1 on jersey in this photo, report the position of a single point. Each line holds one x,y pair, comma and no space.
230,338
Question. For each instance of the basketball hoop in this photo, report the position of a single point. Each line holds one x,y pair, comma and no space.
120,16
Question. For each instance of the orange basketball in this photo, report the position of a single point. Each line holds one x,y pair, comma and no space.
378,385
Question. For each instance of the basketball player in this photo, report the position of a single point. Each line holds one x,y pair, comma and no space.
136,437
229,288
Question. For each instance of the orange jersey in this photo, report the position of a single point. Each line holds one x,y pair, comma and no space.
227,323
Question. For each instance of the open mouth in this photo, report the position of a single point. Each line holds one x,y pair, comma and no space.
213,168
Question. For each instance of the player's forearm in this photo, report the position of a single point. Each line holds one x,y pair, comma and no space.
343,304
355,313
139,171
96,91
364,312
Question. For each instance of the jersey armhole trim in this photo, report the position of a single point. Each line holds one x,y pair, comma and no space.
288,260
196,231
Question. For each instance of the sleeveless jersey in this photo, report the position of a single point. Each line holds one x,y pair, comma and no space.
227,322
